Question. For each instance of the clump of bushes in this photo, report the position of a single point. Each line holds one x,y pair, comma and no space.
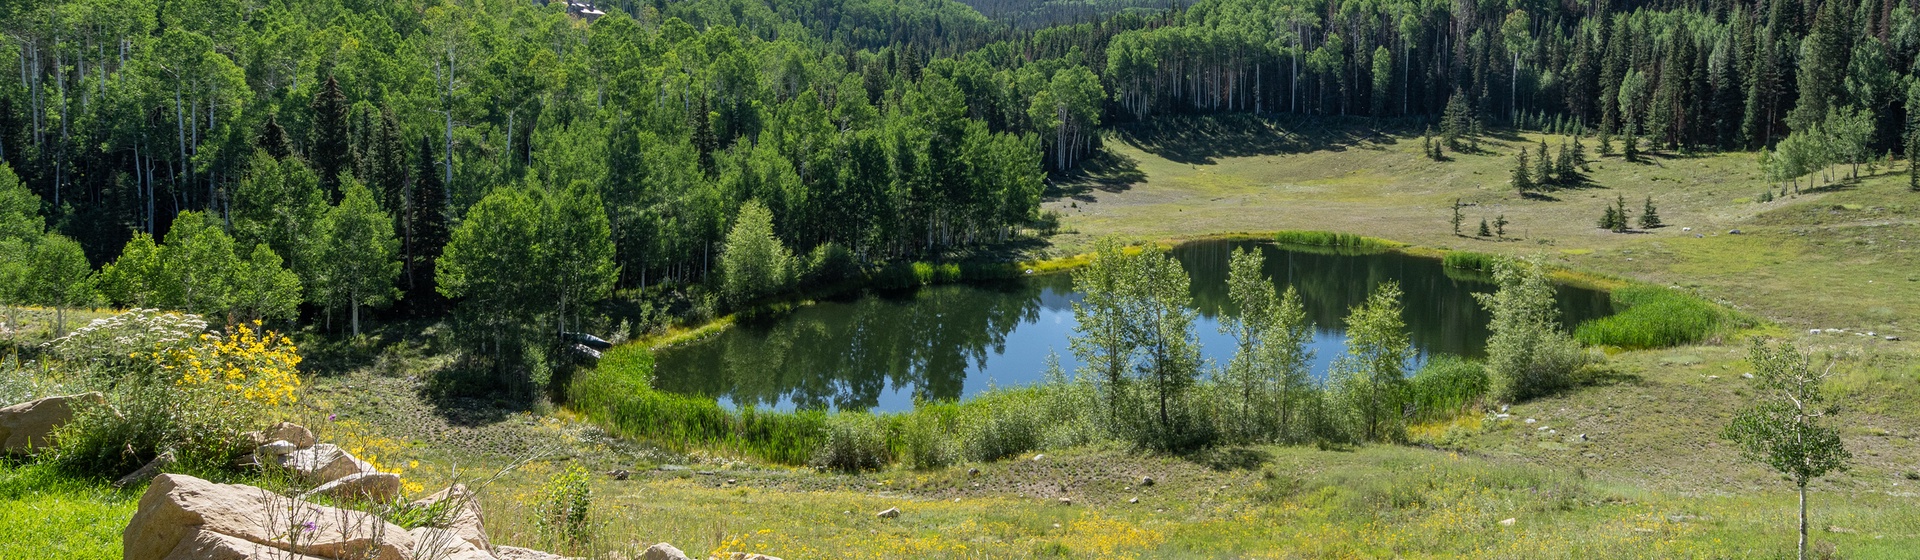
854,442
1654,317
1331,239
619,394
1447,385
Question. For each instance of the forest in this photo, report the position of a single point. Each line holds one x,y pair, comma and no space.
518,162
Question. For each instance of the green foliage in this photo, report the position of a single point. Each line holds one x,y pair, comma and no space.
357,265
1649,216
563,513
1787,429
1332,240
853,442
19,208
1369,383
1528,355
618,393
57,275
754,264
1470,260
1445,386
199,270
1262,389
1654,317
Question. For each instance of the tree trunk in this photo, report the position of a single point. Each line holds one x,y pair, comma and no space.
1803,522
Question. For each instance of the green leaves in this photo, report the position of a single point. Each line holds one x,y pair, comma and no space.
1528,353
754,263
1786,429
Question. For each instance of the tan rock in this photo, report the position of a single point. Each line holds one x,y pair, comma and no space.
289,432
751,556
462,514
663,551
516,553
176,505
30,425
208,545
321,463
435,543
376,487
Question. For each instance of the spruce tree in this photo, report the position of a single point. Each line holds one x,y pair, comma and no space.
1579,153
1913,155
1542,166
1457,218
1500,226
330,153
1621,218
1522,175
426,220
1630,145
273,139
1649,217
1456,121
1609,218
1484,230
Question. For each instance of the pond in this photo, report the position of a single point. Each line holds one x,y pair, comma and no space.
882,351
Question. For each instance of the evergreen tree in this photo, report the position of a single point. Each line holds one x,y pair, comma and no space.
1522,173
426,231
1500,226
1649,217
273,139
1542,166
1457,121
1457,219
1610,220
330,153
1621,218
1484,230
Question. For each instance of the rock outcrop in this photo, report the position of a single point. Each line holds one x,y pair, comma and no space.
30,425
376,487
462,514
319,464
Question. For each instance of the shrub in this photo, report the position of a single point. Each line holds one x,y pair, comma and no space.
561,515
829,263
854,442
924,435
618,393
1003,425
193,397
1654,317
1445,385
1528,354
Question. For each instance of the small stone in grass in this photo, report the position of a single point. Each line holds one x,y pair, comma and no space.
1507,522
1066,501
890,513
1146,481
1133,500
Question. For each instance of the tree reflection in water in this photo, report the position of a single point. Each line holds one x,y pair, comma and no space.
885,351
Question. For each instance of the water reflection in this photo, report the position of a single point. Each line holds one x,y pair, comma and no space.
883,352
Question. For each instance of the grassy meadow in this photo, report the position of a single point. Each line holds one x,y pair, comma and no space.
1630,465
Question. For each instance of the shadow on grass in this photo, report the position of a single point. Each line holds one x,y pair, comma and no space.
1230,458
1201,139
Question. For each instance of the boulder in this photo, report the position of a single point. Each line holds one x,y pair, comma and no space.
30,425
150,470
208,545
462,514
175,506
275,448
663,551
750,556
321,463
376,487
517,553
442,544
289,432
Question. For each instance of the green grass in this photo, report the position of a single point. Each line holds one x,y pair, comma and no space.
1446,385
1470,260
619,394
1654,317
1333,240
46,515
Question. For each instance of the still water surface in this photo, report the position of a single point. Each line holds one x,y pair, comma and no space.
880,352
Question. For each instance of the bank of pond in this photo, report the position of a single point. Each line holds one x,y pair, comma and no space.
978,371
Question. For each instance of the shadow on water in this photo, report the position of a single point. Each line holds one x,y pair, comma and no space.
887,351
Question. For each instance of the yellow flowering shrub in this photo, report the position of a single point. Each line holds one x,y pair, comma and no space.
251,365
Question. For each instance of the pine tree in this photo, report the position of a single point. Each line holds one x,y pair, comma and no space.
1913,156
1579,153
1500,226
1606,143
1484,230
1542,166
1622,218
1456,121
1609,219
273,139
1649,217
1457,218
331,153
1630,145
1522,175
426,221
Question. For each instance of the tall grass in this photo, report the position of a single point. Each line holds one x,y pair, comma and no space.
1446,386
1655,317
619,394
1470,260
1332,239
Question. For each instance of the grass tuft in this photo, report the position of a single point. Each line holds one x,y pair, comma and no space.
1655,317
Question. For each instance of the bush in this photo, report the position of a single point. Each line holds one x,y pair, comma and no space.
830,263
1446,385
190,396
619,394
1654,317
854,442
1469,260
561,515
924,435
1004,425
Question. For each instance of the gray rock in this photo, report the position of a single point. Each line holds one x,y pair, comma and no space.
1066,501
275,448
1146,481
1508,522
890,513
147,472
321,463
